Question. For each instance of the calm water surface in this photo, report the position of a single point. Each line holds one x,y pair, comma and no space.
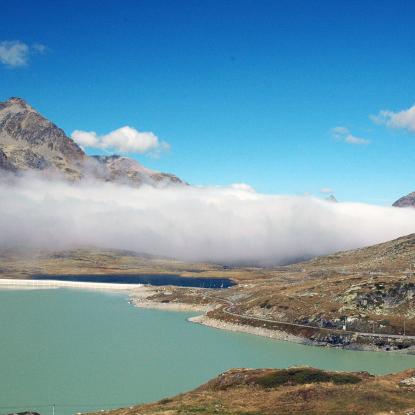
86,350
152,279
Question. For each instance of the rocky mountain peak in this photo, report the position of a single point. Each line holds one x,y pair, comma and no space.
332,199
18,101
18,104
29,141
406,201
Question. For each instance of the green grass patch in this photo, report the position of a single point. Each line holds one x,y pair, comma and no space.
301,376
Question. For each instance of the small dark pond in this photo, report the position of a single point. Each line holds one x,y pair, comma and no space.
151,279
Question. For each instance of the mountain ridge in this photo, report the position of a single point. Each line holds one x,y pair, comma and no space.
30,142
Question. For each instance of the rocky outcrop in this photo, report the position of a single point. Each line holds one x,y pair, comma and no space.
5,163
382,297
406,201
28,141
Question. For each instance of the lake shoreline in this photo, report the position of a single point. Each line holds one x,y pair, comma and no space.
139,295
204,320
285,336
141,301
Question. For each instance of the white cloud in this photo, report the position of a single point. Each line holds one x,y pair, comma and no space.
14,53
86,138
343,134
39,48
401,120
227,225
352,139
124,140
340,130
326,190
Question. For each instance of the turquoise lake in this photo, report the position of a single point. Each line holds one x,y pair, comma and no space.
90,350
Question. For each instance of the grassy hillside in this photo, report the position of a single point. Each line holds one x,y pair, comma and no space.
290,391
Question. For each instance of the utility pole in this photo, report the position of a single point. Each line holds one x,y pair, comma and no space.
53,409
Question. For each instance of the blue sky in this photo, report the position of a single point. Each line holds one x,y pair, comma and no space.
242,91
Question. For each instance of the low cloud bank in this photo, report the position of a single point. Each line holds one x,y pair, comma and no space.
226,225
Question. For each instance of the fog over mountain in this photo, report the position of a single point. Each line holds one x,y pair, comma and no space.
221,224
55,196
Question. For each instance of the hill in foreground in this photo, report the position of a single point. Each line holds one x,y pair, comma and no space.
290,391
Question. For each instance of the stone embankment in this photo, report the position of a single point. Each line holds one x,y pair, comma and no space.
313,335
243,328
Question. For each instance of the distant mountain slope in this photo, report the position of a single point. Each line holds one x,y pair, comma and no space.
395,256
123,169
28,141
406,201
